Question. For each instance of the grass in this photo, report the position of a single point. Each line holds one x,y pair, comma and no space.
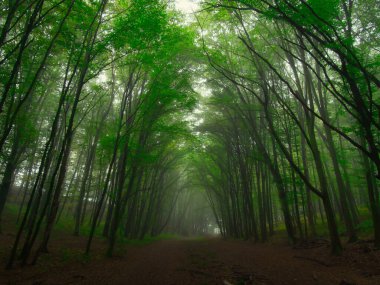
12,209
149,239
66,225
70,255
364,228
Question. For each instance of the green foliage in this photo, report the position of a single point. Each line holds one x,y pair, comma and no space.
141,26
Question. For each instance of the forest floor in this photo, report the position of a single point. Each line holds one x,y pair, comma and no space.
196,261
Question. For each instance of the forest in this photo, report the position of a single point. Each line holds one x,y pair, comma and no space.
190,142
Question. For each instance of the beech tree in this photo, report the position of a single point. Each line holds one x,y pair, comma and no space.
121,119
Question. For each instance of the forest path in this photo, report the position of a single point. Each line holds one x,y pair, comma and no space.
205,262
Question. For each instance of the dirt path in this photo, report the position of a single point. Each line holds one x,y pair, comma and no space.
211,261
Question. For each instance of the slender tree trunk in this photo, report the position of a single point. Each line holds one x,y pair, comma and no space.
6,182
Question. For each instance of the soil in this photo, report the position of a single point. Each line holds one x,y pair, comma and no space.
197,261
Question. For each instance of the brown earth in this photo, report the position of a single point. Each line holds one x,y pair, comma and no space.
197,261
